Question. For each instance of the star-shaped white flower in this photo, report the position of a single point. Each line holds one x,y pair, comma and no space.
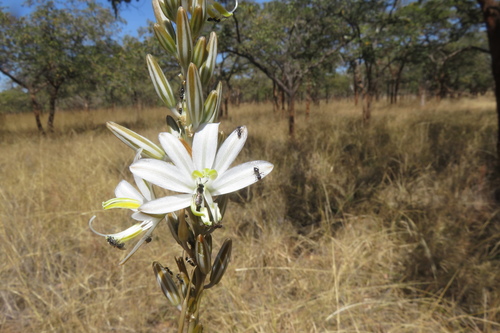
199,174
127,196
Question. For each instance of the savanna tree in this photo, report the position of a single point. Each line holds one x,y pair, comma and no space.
52,46
286,40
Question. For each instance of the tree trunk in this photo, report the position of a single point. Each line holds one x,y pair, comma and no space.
421,93
357,82
276,103
37,111
491,14
52,109
367,107
282,100
368,94
291,115
308,99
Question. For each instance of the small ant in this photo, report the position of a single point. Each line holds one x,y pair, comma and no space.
216,20
169,271
148,239
257,173
190,261
181,93
239,130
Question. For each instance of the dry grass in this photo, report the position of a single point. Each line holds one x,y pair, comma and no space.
390,227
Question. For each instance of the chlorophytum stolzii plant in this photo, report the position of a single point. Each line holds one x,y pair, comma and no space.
191,161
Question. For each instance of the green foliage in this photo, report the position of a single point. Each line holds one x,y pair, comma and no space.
14,100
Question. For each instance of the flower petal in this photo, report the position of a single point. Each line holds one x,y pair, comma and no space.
177,153
144,187
205,146
126,203
230,149
167,204
126,190
141,241
240,176
162,174
140,216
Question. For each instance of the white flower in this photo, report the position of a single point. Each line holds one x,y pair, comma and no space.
199,174
127,196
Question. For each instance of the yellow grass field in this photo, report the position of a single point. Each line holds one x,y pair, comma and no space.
390,226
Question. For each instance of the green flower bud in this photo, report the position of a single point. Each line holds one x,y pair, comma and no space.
203,255
194,96
165,39
220,263
184,39
160,82
197,20
208,67
167,285
200,52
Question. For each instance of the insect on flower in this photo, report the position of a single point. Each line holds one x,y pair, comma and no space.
115,243
198,201
190,261
181,92
239,131
257,173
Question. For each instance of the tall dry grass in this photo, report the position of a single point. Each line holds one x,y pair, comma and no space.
386,227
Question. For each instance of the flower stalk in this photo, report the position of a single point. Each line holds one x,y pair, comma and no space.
189,162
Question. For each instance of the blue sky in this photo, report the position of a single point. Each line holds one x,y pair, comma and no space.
136,13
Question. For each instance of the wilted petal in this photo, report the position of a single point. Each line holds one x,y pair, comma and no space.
240,176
